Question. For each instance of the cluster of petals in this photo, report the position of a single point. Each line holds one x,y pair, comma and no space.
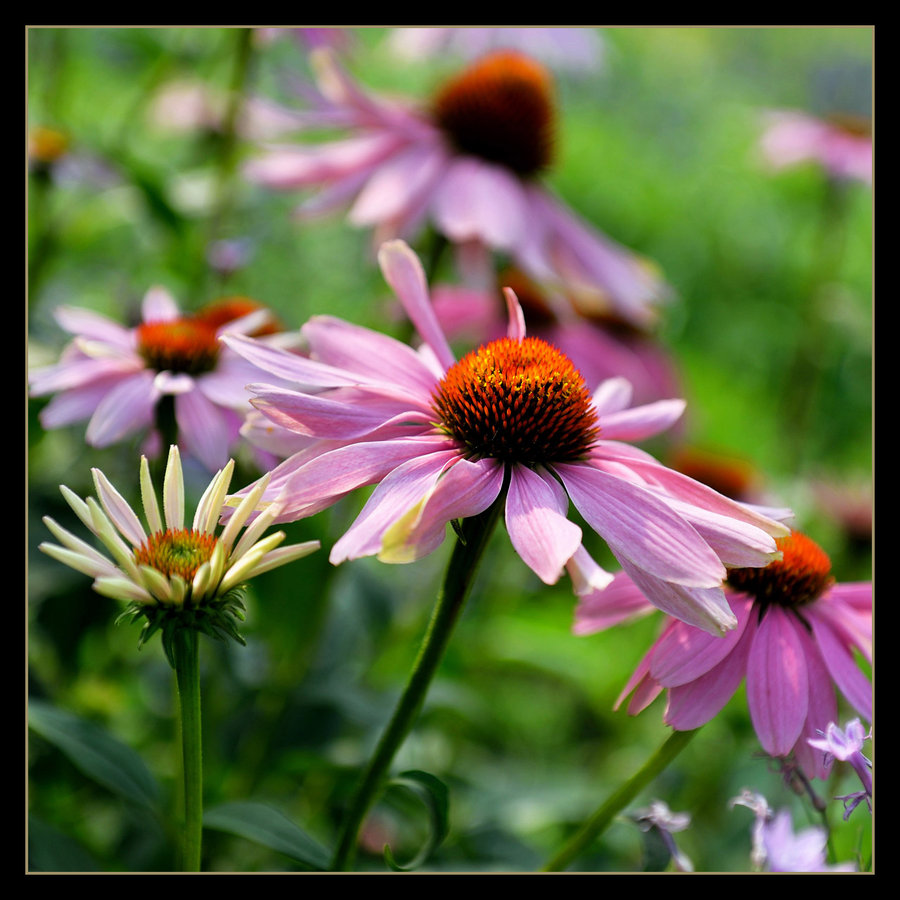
234,560
791,662
102,377
791,138
579,50
397,171
365,402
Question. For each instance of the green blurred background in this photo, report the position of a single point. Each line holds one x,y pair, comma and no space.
771,332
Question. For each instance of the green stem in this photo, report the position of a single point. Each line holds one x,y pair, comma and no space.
472,539
625,794
187,675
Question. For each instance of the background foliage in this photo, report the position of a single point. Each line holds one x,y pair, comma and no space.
771,331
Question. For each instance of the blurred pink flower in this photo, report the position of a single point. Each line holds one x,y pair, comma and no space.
442,439
115,376
562,49
841,145
469,165
804,851
795,638
599,347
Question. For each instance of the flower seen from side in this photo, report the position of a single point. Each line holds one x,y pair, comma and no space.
444,438
116,377
172,574
840,145
666,823
796,635
470,165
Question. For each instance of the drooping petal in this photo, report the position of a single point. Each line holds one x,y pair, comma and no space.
685,653
847,675
536,507
399,491
204,429
465,489
697,702
777,682
822,708
126,408
95,326
616,601
641,528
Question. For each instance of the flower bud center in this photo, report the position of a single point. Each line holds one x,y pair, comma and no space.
176,551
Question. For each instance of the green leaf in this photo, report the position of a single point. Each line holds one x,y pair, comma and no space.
49,850
96,753
434,793
267,826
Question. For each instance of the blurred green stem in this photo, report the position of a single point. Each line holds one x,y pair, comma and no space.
624,795
472,538
187,676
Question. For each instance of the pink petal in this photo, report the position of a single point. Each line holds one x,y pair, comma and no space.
847,675
127,407
686,653
398,492
536,508
641,528
397,185
465,489
822,709
96,327
695,703
705,608
204,429
606,606
159,305
404,273
516,329
641,422
480,201
777,682
378,357
612,395
645,689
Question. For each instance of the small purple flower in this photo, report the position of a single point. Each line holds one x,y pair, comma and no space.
659,816
801,852
847,747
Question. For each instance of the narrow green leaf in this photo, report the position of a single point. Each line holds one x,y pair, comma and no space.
433,792
267,826
96,753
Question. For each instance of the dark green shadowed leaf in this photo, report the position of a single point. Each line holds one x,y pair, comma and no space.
263,825
435,796
96,753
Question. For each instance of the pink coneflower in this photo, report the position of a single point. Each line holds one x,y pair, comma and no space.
444,438
469,165
115,377
600,346
840,144
797,631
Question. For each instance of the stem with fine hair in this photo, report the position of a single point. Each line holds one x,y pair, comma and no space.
187,675
473,536
620,798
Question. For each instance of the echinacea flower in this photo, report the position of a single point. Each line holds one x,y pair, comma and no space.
443,439
841,145
116,377
470,166
797,630
170,573
846,745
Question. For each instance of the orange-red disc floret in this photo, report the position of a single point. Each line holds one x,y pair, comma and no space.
176,551
801,576
178,345
517,401
227,309
500,109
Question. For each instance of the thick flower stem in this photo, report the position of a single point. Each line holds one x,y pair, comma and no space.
471,542
187,675
625,794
